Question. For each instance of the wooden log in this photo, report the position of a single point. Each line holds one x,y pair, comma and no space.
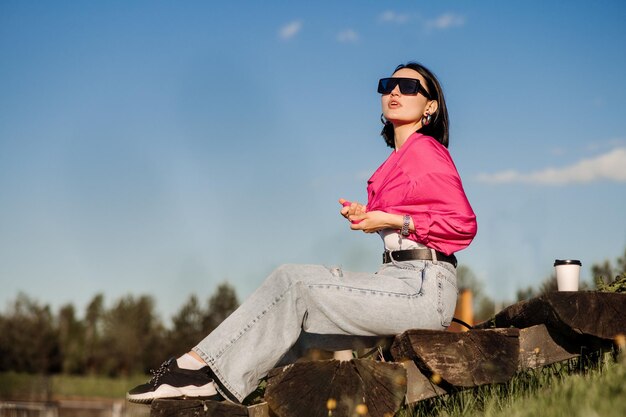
461,360
418,386
540,346
196,408
576,315
259,410
347,388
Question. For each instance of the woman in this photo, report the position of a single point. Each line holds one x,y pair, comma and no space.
416,203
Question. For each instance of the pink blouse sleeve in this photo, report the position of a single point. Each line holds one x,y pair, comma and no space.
436,201
444,221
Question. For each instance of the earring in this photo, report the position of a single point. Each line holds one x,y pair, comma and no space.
426,119
382,119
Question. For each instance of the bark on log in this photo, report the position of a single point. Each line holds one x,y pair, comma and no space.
418,386
540,346
358,387
461,360
259,410
596,314
196,408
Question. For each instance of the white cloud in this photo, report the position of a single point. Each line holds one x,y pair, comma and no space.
446,21
393,17
348,36
610,166
290,30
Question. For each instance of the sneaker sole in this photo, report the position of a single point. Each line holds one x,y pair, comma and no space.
169,392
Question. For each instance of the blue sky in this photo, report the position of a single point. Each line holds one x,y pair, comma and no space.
164,147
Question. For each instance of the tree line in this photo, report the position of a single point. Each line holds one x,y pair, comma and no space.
127,338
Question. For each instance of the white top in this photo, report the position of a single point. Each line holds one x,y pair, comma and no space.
395,241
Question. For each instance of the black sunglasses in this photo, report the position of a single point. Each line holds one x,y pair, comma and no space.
407,86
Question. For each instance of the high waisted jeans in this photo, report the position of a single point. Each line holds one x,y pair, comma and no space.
314,299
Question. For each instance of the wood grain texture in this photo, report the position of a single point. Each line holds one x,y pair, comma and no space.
540,346
376,389
461,360
583,314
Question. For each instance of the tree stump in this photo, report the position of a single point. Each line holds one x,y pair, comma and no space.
591,316
461,360
361,387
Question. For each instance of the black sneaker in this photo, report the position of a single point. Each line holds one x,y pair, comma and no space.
170,381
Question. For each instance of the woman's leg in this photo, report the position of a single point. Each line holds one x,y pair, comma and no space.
251,341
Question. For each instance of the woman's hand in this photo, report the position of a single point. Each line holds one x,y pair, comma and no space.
372,221
351,209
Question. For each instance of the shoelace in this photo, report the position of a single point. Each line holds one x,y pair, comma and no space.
162,370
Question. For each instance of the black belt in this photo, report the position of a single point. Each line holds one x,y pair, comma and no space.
417,254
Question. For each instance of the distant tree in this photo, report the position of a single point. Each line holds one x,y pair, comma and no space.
605,273
187,328
609,278
621,263
483,306
125,339
71,341
95,355
549,284
466,279
192,323
132,336
28,340
485,310
525,293
221,305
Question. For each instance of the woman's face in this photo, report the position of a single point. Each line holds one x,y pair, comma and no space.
401,109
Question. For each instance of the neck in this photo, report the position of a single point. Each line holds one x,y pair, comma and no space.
402,132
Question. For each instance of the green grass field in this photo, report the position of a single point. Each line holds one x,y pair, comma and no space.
600,393
15,386
569,389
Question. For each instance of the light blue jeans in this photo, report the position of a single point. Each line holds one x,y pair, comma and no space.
315,299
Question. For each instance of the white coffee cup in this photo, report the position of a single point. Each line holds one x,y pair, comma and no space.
567,274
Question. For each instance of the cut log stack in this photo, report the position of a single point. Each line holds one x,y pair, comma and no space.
427,363
356,387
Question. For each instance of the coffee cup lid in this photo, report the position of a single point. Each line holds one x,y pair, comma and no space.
567,262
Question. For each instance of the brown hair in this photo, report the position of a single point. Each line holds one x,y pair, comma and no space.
438,127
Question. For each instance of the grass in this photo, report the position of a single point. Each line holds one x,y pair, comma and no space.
588,388
14,386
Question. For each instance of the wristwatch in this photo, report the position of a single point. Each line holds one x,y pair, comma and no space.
405,225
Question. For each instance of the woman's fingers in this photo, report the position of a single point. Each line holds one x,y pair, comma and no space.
350,208
345,210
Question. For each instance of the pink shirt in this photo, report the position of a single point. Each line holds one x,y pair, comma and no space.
421,180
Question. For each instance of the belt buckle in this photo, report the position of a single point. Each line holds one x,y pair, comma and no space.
388,257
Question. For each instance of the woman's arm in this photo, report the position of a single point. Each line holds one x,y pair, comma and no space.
373,221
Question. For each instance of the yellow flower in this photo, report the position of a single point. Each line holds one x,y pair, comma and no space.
331,404
361,409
